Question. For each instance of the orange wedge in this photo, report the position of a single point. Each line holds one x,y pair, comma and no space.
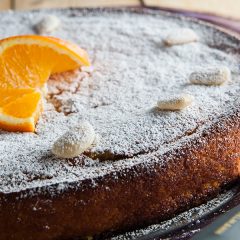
26,62
19,109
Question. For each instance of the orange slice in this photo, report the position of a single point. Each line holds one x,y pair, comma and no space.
19,109
26,62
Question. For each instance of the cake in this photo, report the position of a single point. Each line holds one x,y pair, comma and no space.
146,164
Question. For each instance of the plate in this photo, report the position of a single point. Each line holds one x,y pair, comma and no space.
186,224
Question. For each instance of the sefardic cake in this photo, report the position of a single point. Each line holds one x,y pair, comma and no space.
149,160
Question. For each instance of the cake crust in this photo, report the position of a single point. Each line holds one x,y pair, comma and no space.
160,185
130,199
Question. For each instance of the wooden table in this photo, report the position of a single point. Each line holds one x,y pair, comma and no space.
225,13
226,8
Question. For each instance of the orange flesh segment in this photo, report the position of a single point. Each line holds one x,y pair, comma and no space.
21,113
23,107
9,95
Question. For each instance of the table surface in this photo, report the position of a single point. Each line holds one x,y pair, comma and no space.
225,13
225,8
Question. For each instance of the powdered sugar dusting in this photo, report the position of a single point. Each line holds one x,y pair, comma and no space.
132,69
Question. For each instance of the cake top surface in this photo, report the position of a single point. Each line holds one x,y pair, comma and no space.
132,70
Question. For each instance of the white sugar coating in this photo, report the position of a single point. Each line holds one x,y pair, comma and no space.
180,36
131,70
211,76
175,102
47,24
75,141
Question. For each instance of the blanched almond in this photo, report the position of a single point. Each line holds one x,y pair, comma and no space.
176,102
181,36
75,141
211,76
47,24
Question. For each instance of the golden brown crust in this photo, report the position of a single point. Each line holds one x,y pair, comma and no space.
131,200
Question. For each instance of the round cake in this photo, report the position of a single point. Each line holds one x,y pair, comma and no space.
147,163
